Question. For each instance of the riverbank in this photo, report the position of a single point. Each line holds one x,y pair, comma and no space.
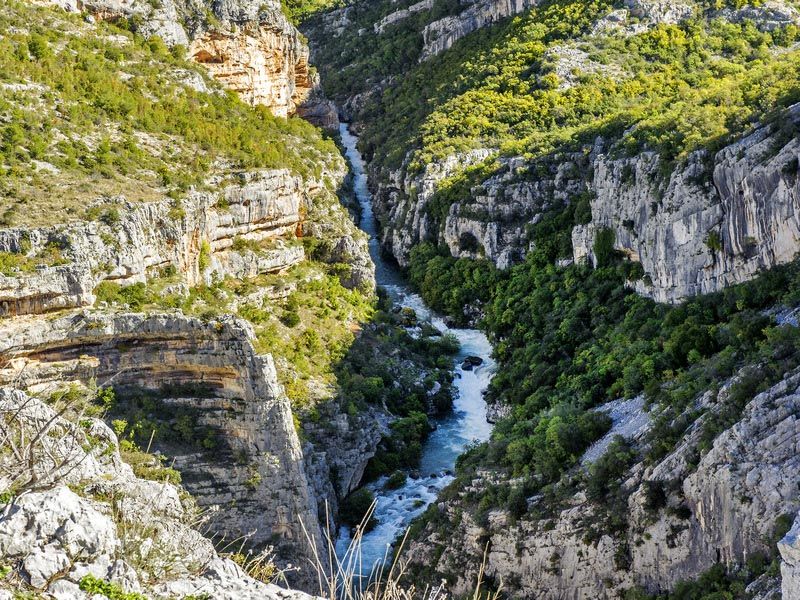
395,509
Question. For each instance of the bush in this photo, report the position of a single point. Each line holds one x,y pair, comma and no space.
603,248
396,480
355,507
93,585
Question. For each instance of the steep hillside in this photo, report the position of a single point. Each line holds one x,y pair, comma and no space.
621,107
176,261
610,190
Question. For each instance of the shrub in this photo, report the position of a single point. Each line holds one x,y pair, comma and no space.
714,241
603,248
396,480
355,507
204,256
93,585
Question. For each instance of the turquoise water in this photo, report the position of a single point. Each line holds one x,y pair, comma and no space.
396,508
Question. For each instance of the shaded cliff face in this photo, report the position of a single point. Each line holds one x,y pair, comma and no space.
254,476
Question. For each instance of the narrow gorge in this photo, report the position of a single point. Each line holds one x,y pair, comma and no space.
398,299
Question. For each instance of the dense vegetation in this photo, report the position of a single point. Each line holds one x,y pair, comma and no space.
672,88
569,339
93,110
409,375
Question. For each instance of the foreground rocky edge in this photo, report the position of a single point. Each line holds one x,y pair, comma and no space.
86,515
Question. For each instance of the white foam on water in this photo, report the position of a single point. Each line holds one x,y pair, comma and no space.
395,509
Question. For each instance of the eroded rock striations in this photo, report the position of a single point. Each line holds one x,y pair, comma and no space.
251,47
245,406
261,57
195,237
712,221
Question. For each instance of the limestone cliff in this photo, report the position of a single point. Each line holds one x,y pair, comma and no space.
259,207
245,405
713,221
260,56
440,35
88,516
250,47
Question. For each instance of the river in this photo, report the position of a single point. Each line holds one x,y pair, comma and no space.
395,509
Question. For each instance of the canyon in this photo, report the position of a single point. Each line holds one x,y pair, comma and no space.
184,311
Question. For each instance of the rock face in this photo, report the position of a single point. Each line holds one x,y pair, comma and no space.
716,221
264,61
160,19
251,47
108,524
712,222
723,510
442,34
337,451
255,475
200,231
401,203
402,14
789,548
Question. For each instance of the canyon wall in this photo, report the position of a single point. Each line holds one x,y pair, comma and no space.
254,477
253,225
256,484
440,35
264,206
713,220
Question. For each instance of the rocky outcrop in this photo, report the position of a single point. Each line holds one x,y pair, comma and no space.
160,19
768,16
250,47
87,514
204,235
257,52
264,61
442,34
401,15
337,449
789,548
401,203
723,510
492,222
714,221
255,473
